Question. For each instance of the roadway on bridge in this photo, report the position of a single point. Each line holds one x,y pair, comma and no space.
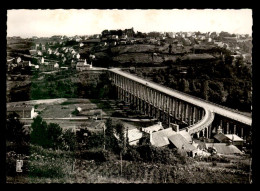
229,113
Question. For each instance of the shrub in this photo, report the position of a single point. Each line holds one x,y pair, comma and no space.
46,171
18,148
54,134
95,140
97,155
15,131
69,140
118,114
131,154
75,112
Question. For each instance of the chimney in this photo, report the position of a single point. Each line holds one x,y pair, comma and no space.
175,127
219,130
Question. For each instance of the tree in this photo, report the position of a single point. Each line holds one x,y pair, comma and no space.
110,140
216,92
178,61
170,49
14,130
205,90
39,132
69,139
47,136
120,130
54,135
109,127
184,86
193,86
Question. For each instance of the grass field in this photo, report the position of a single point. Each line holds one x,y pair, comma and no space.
49,109
48,166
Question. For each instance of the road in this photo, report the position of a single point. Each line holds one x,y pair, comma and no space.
221,110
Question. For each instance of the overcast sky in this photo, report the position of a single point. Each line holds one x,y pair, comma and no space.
46,23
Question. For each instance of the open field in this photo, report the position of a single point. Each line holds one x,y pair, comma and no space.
61,110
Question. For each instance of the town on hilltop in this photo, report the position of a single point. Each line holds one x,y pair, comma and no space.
61,52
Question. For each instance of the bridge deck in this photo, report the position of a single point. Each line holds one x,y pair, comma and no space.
218,109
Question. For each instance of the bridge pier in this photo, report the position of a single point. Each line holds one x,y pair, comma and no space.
209,130
145,107
227,127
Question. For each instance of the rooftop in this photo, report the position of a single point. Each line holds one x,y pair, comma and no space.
160,138
20,108
233,137
220,137
153,128
223,148
181,143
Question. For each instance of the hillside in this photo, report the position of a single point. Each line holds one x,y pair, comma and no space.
142,54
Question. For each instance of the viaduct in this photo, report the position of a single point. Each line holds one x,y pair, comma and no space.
167,105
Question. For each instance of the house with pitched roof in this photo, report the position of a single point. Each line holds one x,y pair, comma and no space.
160,138
23,111
179,142
224,148
153,128
81,66
229,138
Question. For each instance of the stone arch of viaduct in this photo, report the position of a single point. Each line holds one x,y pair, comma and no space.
169,105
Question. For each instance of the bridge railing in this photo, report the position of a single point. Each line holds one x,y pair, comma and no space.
203,123
221,106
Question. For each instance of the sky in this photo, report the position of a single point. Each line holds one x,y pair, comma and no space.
45,23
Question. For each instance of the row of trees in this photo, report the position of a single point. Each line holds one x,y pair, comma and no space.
40,133
51,135
53,87
224,81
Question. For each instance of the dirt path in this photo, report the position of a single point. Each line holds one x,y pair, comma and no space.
41,101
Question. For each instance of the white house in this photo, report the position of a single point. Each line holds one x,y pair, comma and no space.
153,128
18,60
49,51
92,56
39,53
56,65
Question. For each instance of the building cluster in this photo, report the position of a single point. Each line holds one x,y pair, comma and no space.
172,137
52,56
